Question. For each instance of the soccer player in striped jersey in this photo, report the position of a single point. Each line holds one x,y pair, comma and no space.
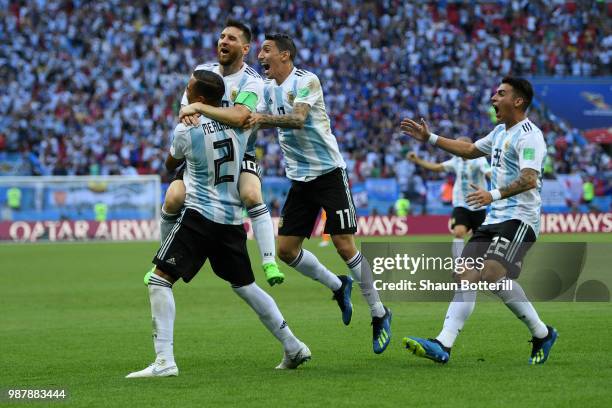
465,218
517,150
210,227
243,95
295,105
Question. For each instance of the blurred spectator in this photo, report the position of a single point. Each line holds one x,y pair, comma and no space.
90,87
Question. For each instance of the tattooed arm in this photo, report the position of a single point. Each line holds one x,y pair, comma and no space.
526,181
294,120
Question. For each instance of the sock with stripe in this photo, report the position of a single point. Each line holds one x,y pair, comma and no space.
166,223
263,229
163,312
268,313
362,273
308,264
457,248
516,300
459,310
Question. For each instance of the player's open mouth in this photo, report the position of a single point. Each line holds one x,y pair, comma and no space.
224,51
266,67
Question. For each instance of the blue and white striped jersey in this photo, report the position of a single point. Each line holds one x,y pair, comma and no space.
245,80
522,146
467,172
213,153
313,150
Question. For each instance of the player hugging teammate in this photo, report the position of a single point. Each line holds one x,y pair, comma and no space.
226,103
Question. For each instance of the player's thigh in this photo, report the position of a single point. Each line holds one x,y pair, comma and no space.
249,184
175,197
181,255
299,212
334,195
473,254
510,243
229,257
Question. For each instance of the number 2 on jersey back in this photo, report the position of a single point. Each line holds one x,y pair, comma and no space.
229,157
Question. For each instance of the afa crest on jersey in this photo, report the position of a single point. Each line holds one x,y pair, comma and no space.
290,97
234,94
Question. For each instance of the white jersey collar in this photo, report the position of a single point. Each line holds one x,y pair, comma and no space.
237,73
291,74
515,126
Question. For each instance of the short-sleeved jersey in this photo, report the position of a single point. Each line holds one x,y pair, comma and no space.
213,153
313,150
522,146
237,86
467,172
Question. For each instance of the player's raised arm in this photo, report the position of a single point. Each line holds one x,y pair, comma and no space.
412,156
420,131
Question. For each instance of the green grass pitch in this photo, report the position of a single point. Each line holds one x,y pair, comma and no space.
77,316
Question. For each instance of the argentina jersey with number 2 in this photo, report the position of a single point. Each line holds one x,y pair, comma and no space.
213,153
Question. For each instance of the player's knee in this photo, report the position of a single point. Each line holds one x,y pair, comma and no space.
251,195
492,271
175,197
471,276
460,231
164,275
250,189
345,245
287,253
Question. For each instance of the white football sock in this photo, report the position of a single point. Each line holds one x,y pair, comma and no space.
166,223
308,264
163,311
361,272
263,229
268,313
457,249
459,310
516,300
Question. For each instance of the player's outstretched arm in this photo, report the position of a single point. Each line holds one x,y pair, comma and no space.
235,116
412,156
420,132
294,120
527,180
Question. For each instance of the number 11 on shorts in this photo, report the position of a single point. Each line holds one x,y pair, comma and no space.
348,218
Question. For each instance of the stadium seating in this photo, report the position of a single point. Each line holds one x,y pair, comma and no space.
95,88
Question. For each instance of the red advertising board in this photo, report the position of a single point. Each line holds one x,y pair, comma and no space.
117,230
148,230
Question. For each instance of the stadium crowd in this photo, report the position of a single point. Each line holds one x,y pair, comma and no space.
91,87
